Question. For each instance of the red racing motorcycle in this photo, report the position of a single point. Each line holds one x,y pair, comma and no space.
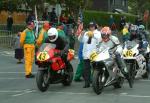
52,69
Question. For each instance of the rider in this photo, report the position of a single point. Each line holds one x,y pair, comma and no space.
133,32
113,43
142,32
143,42
61,42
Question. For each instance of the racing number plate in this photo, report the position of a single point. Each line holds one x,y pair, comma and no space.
43,56
93,56
129,53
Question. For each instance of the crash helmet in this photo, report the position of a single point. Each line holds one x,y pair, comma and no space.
133,28
105,33
141,27
52,34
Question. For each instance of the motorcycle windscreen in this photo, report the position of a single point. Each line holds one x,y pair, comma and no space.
130,44
43,52
46,47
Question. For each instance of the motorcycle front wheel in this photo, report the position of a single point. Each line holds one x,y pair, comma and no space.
68,77
97,82
42,80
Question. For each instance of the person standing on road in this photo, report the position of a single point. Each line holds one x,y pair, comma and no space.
43,34
27,41
18,49
90,39
79,70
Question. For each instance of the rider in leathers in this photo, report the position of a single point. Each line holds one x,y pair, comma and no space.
113,43
60,41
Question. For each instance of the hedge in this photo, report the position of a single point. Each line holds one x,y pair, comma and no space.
102,18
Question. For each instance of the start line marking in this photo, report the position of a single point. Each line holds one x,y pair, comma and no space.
28,91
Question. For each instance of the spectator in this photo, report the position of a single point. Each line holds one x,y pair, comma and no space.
18,49
138,21
125,33
122,22
90,39
63,18
79,70
53,16
31,17
112,24
71,19
9,22
45,16
71,36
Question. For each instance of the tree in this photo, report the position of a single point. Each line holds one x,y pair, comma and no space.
139,6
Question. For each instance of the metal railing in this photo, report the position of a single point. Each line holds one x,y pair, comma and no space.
6,38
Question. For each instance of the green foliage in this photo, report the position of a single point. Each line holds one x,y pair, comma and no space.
102,18
138,6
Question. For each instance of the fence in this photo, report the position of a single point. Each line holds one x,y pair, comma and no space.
6,38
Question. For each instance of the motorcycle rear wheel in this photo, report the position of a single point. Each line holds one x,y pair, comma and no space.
145,75
96,83
42,80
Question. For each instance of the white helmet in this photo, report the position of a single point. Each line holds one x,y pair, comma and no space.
52,34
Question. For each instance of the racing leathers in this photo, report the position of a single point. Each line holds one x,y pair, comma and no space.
61,44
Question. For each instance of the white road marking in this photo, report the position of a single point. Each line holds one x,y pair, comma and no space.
71,93
144,80
15,72
135,96
24,92
7,53
3,78
121,94
10,91
27,91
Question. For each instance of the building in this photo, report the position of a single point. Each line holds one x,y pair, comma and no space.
110,5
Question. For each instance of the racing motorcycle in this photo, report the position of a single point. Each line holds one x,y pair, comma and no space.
52,69
105,71
135,60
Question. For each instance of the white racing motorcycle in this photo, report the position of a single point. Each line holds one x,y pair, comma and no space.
105,71
135,60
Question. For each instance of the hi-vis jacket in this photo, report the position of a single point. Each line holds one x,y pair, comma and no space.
27,38
41,37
